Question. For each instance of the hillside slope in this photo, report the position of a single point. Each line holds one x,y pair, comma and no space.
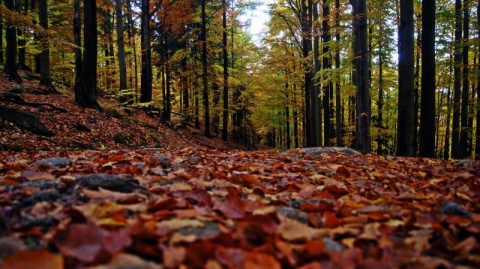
78,128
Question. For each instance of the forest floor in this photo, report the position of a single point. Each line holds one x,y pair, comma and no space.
86,197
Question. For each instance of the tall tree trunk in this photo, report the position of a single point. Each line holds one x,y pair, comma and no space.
317,111
380,101
77,34
206,101
121,53
225,73
11,52
45,78
465,132
406,82
90,55
457,77
1,40
146,79
477,131
427,105
362,140
446,150
22,42
338,99
131,30
327,65
308,74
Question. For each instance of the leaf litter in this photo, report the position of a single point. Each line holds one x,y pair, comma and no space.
193,208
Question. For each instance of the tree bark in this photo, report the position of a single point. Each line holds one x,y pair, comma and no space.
406,81
338,99
10,67
225,73
86,76
465,132
306,23
427,105
146,79
317,110
477,131
45,77
121,52
457,78
362,140
1,39
327,65
206,101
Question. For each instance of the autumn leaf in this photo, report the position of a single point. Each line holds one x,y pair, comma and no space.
36,258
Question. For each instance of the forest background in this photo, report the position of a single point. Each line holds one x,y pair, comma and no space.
386,77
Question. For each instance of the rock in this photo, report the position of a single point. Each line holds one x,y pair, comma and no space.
452,208
109,182
25,121
41,196
319,150
55,162
332,245
293,213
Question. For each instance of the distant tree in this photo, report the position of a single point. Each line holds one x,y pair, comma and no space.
146,79
427,105
225,71
45,77
1,39
122,66
11,52
477,131
203,40
406,94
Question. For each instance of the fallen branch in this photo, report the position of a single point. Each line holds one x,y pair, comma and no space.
17,99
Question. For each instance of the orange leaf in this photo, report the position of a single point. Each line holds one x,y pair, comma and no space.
29,259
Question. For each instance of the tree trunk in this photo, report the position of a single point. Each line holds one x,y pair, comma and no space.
90,55
338,99
22,41
77,34
206,101
45,78
477,131
317,111
406,82
225,73
327,65
457,77
146,79
465,133
308,73
362,140
427,105
11,52
121,53
1,40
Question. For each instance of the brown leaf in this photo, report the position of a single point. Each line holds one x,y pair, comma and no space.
82,241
